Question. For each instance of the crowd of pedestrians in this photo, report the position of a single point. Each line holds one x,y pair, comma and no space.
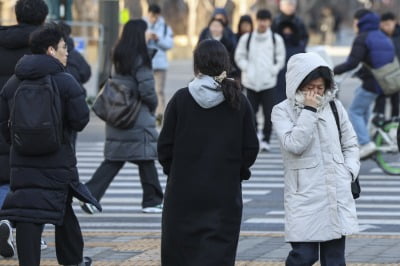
208,139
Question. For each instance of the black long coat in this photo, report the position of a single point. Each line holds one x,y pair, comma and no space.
41,185
206,153
14,43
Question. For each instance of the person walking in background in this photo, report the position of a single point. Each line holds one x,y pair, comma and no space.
217,32
295,36
14,43
261,55
207,144
159,37
390,27
77,66
137,144
42,185
320,163
245,25
220,13
373,48
290,35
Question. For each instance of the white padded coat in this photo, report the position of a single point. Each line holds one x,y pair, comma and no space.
318,166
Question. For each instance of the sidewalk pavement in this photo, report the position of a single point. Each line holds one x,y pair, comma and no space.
255,249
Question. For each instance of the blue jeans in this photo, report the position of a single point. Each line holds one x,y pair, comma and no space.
359,112
3,193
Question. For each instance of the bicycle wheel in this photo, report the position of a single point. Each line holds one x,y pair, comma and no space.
387,156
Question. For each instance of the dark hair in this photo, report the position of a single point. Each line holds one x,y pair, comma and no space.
361,12
320,72
388,16
32,12
44,37
65,28
211,58
154,8
131,47
263,14
245,18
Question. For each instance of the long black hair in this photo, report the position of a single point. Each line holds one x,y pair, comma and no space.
131,47
211,58
320,72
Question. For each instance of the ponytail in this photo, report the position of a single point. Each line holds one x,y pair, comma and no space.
231,91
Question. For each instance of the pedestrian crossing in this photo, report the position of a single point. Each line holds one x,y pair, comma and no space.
378,207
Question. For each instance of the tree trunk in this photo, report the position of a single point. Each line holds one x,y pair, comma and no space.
176,14
135,8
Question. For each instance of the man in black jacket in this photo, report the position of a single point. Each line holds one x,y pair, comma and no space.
42,186
14,43
392,29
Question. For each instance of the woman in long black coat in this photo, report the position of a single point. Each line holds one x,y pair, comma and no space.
206,146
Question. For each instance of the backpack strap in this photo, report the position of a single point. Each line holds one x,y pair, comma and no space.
273,45
248,43
336,114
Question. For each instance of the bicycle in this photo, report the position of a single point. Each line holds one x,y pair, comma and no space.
384,132
387,154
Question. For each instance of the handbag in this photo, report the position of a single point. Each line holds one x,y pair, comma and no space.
118,102
355,185
387,76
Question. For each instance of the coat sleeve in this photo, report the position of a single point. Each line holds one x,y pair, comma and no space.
77,111
241,54
357,53
349,142
280,53
294,136
4,116
165,41
250,142
147,92
166,139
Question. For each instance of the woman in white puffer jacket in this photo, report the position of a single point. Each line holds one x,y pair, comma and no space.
319,166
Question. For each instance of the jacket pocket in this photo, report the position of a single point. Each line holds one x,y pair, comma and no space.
302,170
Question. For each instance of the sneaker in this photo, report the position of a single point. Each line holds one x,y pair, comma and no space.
154,209
87,261
367,149
264,146
6,240
87,207
43,244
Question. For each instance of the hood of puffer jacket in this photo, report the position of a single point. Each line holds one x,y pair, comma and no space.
206,91
298,67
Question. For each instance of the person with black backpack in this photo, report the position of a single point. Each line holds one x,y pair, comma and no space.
40,106
14,43
261,55
135,143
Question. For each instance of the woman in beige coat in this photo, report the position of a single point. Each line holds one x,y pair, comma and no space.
319,165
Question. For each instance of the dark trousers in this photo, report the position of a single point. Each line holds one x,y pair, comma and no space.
104,175
331,253
68,236
380,104
264,98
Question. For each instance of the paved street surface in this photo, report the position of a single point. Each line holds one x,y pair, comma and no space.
122,235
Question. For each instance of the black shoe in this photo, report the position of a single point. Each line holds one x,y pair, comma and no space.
6,240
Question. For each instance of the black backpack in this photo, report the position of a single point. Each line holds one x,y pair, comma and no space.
36,117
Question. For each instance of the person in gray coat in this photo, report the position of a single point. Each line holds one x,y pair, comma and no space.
320,164
137,144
